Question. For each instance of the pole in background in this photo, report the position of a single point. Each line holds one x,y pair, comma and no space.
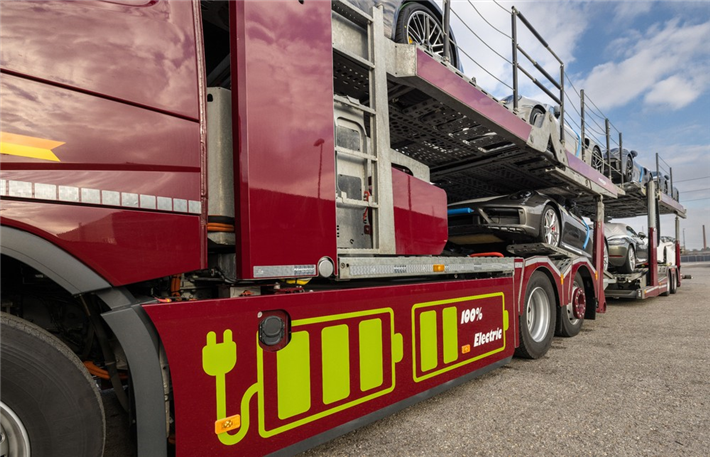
705,241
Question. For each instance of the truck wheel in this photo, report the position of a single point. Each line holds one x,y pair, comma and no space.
50,404
674,282
537,321
669,282
567,324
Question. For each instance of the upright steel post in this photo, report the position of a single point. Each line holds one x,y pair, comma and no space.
679,276
514,35
562,102
581,114
608,146
447,45
621,161
598,255
652,202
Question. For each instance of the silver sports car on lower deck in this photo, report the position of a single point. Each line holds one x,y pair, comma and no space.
627,248
522,217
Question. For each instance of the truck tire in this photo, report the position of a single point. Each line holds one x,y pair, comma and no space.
51,405
669,282
567,324
537,321
674,283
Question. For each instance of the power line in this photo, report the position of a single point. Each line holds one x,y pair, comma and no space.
696,200
486,20
695,190
501,6
479,38
691,179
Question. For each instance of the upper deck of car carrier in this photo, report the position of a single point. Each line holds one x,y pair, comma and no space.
473,145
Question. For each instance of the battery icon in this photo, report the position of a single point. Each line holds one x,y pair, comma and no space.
331,363
448,334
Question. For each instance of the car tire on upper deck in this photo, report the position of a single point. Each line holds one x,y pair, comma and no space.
413,22
50,404
537,321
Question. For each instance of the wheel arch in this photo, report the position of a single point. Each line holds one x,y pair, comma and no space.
545,268
588,279
126,318
50,260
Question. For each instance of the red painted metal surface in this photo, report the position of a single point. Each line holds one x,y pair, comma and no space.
679,269
420,219
587,171
122,246
283,124
138,52
598,259
99,79
431,70
652,256
251,384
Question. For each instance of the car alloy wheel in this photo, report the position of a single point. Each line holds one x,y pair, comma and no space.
631,259
551,227
425,30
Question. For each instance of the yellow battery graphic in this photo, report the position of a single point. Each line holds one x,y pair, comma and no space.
448,334
331,363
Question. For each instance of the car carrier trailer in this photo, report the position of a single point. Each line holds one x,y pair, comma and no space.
259,269
657,276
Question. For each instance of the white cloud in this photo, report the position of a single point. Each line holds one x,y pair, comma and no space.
627,10
674,92
666,66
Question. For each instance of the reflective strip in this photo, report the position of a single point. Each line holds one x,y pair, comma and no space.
69,193
91,196
110,197
148,201
46,191
284,271
20,189
43,191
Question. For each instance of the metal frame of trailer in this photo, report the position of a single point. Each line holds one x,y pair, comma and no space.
366,349
655,279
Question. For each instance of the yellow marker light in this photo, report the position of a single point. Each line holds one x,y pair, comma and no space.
562,279
596,276
227,424
466,349
439,268
28,146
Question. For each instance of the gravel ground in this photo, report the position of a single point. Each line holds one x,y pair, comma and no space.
636,381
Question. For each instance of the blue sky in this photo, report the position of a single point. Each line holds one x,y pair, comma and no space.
646,66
